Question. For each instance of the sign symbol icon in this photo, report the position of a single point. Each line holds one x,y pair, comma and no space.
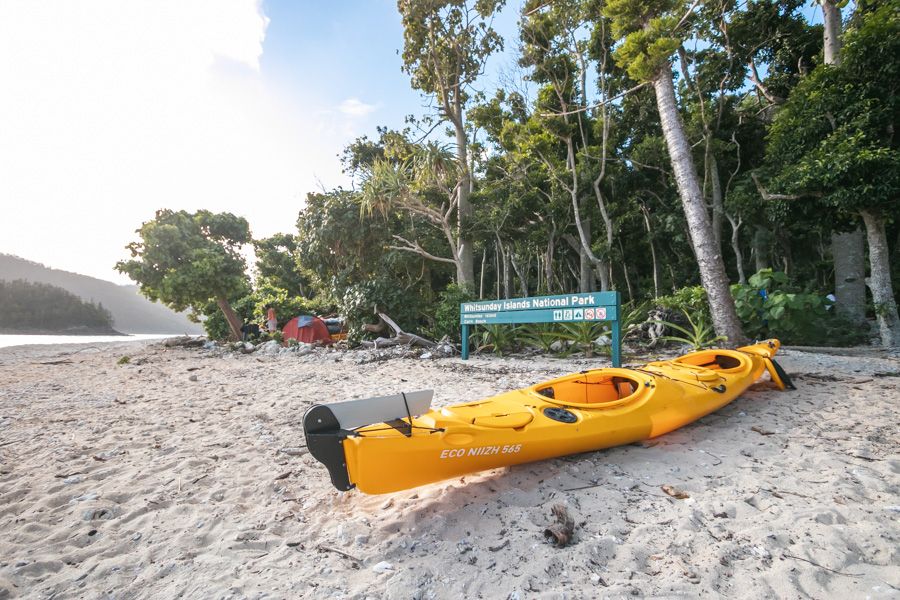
579,314
601,313
567,314
589,313
557,315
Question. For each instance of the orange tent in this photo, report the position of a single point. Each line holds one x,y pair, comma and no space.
307,329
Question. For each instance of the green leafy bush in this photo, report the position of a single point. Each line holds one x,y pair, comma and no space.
538,335
497,338
583,335
769,306
698,334
688,300
446,313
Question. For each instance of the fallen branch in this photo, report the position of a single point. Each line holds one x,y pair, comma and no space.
324,548
815,564
400,336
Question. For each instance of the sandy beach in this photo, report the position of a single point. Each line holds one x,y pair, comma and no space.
183,474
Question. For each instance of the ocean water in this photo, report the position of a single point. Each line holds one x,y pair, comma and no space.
22,340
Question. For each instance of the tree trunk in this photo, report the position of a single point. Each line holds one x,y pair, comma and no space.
481,284
832,41
761,241
652,251
736,247
522,275
234,321
880,281
586,281
849,275
846,248
465,265
718,203
709,261
625,272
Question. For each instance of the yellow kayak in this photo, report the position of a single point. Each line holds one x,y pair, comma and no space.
392,443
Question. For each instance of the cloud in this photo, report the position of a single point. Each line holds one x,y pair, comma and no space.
111,110
354,107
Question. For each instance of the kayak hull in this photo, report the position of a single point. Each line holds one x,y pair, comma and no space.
576,413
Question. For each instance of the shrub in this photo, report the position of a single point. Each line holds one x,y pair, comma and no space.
446,313
769,306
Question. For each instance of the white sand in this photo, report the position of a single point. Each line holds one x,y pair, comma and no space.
164,478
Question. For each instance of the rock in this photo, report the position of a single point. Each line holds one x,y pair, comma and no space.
86,497
383,567
73,479
193,378
98,514
426,355
269,348
361,539
595,579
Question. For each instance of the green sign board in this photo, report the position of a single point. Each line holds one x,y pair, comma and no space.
591,306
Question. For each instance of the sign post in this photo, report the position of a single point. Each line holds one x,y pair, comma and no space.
591,306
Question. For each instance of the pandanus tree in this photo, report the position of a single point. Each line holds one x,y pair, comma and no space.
186,260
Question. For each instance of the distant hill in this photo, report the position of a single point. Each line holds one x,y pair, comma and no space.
29,307
132,313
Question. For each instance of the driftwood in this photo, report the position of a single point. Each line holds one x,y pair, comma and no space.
400,336
560,533
184,341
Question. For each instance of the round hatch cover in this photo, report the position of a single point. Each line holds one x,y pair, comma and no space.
560,414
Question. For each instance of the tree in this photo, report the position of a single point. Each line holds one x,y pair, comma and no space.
276,262
445,46
834,143
649,31
185,260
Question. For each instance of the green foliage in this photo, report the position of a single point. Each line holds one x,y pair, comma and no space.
359,302
27,306
582,335
276,263
698,335
538,335
214,322
769,306
833,140
124,360
446,311
187,260
689,300
497,338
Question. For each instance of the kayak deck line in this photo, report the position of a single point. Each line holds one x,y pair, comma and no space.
396,442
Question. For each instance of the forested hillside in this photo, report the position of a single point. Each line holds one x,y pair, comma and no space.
27,307
647,146
132,313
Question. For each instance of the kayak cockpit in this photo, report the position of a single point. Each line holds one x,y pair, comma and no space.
594,389
721,361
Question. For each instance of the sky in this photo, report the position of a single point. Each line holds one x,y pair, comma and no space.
110,110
